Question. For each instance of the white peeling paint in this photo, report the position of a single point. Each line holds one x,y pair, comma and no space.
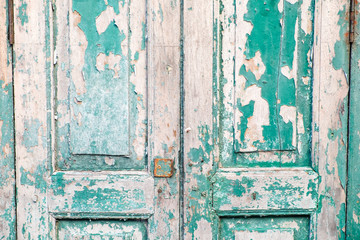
273,234
112,61
288,113
287,72
259,118
255,65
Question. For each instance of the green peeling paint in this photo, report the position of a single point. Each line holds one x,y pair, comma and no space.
7,155
273,37
353,167
22,14
298,227
104,117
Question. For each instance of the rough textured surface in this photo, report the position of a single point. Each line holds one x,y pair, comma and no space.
274,228
249,102
299,121
101,99
265,190
7,171
97,100
330,95
353,184
265,107
107,230
164,112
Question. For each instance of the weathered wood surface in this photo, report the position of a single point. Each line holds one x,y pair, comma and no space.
96,195
199,220
32,116
164,112
7,171
256,190
69,79
117,230
353,191
217,91
330,97
318,71
296,227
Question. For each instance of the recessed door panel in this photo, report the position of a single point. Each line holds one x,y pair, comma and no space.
266,81
101,229
260,228
101,116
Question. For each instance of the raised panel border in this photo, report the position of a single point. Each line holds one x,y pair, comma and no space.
265,190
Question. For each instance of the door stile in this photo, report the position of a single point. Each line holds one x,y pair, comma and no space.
353,177
331,71
31,78
163,33
7,157
201,26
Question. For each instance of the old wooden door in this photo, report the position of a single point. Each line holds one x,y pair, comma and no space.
242,104
266,109
96,102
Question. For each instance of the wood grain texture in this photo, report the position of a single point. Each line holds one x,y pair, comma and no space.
199,135
45,78
164,112
265,190
353,183
32,111
330,87
7,161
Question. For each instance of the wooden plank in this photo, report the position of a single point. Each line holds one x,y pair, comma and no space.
99,195
266,84
163,32
270,227
266,76
7,171
114,69
330,87
32,112
102,229
200,50
99,110
276,190
353,177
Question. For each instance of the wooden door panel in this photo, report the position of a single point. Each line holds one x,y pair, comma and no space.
256,228
100,114
265,113
100,229
97,101
95,52
251,164
266,83
258,190
271,102
94,195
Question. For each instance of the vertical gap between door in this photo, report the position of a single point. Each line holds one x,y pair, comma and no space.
11,39
351,38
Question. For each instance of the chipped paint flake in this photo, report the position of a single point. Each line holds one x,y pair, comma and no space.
288,113
255,65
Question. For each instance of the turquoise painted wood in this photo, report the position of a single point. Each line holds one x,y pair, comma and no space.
97,113
353,177
245,101
7,160
97,101
267,139
265,117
